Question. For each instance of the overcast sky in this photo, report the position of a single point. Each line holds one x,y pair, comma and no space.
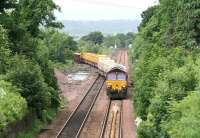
102,9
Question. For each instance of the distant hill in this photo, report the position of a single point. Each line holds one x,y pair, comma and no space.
107,27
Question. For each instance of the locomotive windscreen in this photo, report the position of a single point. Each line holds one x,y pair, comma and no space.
111,76
121,76
116,75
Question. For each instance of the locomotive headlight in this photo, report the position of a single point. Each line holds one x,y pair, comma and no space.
109,86
123,86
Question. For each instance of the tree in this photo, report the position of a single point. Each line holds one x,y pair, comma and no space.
146,16
23,59
121,40
35,13
60,45
85,46
12,106
166,52
109,41
184,119
5,53
24,21
7,4
94,37
27,76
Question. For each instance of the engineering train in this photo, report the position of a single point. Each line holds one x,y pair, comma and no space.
114,73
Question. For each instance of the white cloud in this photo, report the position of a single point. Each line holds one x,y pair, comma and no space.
102,9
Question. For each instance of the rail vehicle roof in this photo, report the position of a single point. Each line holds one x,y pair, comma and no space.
110,65
118,66
105,62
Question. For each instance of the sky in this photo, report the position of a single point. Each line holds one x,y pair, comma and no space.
102,9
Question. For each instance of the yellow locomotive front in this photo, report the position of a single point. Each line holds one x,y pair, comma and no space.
116,83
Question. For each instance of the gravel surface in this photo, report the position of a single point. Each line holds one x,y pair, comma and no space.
73,125
93,125
72,92
115,108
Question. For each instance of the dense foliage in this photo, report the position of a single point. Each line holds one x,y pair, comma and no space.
94,37
96,42
60,45
166,70
119,40
12,105
29,48
185,116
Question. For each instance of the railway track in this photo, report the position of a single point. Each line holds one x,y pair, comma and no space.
112,123
122,58
78,117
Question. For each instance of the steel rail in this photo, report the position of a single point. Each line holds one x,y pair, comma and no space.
121,121
103,128
88,113
120,57
105,121
121,105
108,110
59,135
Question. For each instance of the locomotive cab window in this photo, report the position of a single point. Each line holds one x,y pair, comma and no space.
111,76
121,76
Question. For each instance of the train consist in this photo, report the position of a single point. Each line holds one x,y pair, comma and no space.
115,74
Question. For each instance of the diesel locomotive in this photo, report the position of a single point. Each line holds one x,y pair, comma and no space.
114,73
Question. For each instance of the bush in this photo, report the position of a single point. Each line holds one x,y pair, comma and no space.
184,118
12,105
28,77
4,51
166,69
60,46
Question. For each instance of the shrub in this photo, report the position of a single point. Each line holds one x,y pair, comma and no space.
184,118
12,105
28,77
